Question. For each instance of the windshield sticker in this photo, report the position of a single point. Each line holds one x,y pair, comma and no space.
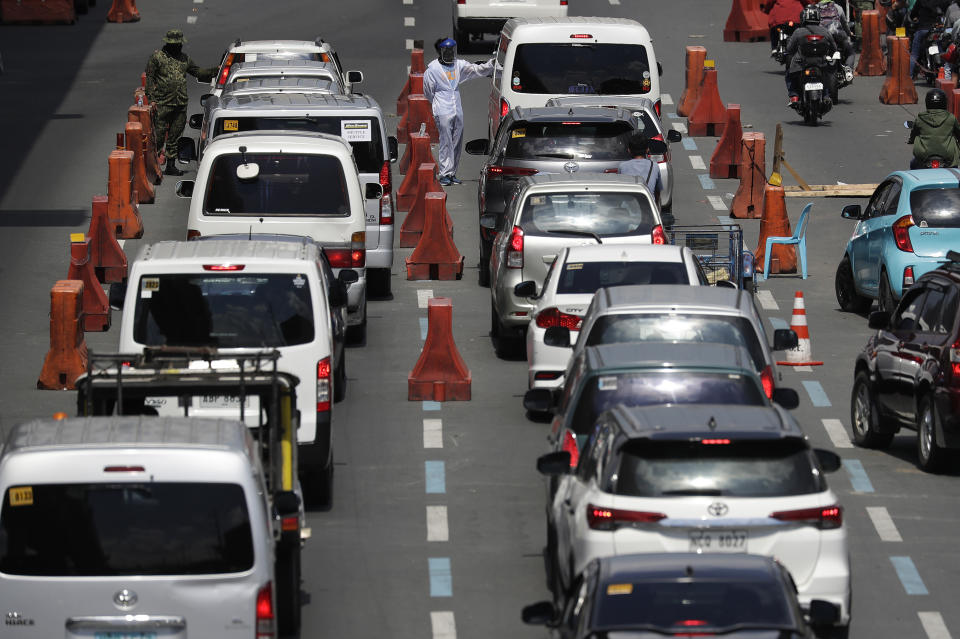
21,496
619,589
298,281
518,133
356,130
231,125
608,383
148,285
575,267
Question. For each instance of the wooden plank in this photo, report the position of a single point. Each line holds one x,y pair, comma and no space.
831,190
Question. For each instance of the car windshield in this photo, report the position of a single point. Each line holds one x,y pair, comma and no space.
226,310
692,606
740,468
648,388
568,141
94,530
936,207
615,213
286,185
587,277
581,68
676,328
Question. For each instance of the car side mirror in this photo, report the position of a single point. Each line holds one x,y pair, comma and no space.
786,397
726,284
556,463
373,191
539,614
186,149
286,503
196,121
851,212
348,276
205,97
477,147
525,289
539,400
488,221
879,320
908,124
393,147
823,613
118,292
829,460
784,339
337,296
184,188
673,136
354,77
557,336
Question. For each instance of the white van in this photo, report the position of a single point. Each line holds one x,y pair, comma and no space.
543,58
292,183
473,18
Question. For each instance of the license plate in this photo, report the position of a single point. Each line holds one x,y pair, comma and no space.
813,86
718,540
124,635
227,401
933,50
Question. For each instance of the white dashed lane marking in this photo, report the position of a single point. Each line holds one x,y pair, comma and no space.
191,19
614,2
423,295
697,162
838,435
933,625
882,521
409,44
679,126
443,626
665,98
407,1
716,202
432,433
767,302
437,528
409,22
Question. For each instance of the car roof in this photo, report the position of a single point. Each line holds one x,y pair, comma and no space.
922,178
629,102
322,142
685,566
683,422
254,46
669,253
546,23
579,180
294,65
277,101
678,297
256,251
568,113
667,355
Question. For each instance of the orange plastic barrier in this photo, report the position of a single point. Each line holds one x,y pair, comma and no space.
38,11
133,133
122,208
412,227
419,111
898,88
440,374
436,256
417,63
775,223
67,358
708,116
746,23
96,307
415,153
151,159
123,11
725,161
413,86
748,201
871,57
419,150
695,59
947,86
109,260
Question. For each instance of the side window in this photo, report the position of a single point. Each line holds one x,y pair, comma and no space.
892,201
592,454
949,314
501,58
932,309
875,206
908,312
570,385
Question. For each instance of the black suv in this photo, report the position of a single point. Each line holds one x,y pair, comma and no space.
908,375
549,140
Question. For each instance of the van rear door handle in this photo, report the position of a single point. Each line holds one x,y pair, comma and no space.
549,259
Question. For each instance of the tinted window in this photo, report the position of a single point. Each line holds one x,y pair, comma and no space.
594,212
932,307
575,141
224,310
126,529
587,277
286,185
648,388
362,133
588,68
707,606
936,207
712,329
766,468
908,312
279,55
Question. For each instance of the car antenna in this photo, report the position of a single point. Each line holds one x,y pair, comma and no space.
712,424
570,112
689,571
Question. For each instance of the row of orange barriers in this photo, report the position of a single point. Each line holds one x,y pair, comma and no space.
62,11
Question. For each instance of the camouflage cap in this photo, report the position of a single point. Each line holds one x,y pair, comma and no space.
174,36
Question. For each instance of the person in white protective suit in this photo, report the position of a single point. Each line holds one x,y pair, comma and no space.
441,85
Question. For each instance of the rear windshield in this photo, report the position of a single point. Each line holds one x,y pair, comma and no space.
587,277
593,211
650,327
81,530
650,388
280,55
362,133
224,310
588,68
760,468
287,184
677,607
936,207
574,141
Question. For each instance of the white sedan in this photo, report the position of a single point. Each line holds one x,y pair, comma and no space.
571,282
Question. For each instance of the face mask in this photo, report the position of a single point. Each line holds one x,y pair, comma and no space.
173,49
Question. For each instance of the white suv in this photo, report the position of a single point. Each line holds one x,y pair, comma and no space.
701,478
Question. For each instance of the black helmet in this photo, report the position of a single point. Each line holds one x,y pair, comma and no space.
936,99
810,15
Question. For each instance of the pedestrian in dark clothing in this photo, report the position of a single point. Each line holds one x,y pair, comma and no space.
925,13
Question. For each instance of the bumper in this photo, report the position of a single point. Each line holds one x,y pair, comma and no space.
514,312
666,176
545,359
382,256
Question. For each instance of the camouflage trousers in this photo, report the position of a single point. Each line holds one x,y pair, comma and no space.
170,123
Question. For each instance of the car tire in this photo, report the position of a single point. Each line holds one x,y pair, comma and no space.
847,297
505,345
832,632
885,297
288,589
340,379
483,274
379,282
930,456
358,334
318,486
864,418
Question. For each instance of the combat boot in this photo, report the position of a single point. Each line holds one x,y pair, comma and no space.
172,167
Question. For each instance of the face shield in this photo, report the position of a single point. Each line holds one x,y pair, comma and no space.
448,51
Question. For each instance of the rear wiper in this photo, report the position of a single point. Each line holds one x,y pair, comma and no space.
559,156
590,234
708,492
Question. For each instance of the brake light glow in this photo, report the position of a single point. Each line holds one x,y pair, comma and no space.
540,376
658,236
955,363
553,316
192,234
563,3
124,469
323,385
908,277
515,248
509,171
504,108
934,163
901,233
657,106
353,257
715,442
570,446
814,38
611,170
223,267
824,518
580,36
290,524
599,518
225,71
571,123
386,202
766,378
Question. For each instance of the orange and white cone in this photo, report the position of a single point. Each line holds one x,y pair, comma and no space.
801,355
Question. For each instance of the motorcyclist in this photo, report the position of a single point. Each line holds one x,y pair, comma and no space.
935,132
835,20
811,26
782,12
925,14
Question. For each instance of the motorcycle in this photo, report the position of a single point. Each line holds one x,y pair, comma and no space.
931,161
782,33
930,60
818,63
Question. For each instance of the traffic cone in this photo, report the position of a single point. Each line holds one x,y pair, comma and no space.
802,354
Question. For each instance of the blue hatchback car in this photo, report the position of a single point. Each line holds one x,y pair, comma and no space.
906,229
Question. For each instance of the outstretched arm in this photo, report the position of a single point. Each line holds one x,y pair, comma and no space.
469,70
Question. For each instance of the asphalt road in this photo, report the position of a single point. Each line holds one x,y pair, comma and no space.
442,536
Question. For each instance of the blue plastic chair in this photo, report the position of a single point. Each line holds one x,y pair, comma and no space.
799,239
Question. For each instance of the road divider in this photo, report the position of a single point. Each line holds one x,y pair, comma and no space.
696,56
418,150
96,307
748,200
414,83
135,143
413,224
440,374
436,256
419,112
38,11
107,256
725,160
151,159
802,355
746,23
122,208
898,88
67,358
123,11
708,117
871,57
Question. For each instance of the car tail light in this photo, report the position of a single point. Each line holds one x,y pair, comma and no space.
555,317
692,623
570,446
225,71
933,163
657,106
124,469
563,3
192,234
223,267
461,1
611,170
901,233
824,518
660,158
766,378
908,277
581,36
353,257
504,108
508,171
545,376
323,385
715,442
515,249
266,626
599,518
290,524
955,363
814,38
386,202
658,236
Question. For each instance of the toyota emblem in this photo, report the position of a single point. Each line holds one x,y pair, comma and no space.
125,599
718,509
571,167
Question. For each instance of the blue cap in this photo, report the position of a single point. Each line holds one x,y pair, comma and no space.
448,43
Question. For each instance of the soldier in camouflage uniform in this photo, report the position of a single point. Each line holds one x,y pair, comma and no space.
167,72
